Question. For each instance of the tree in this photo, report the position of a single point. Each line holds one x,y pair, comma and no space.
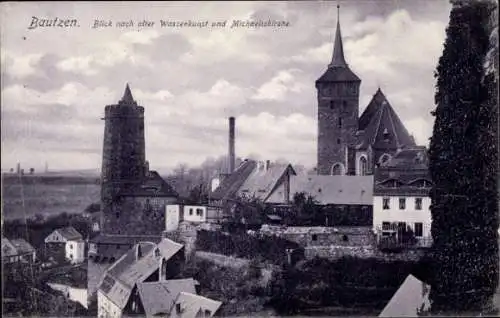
463,166
305,208
32,170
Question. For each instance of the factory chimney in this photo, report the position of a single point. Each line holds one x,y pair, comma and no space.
232,158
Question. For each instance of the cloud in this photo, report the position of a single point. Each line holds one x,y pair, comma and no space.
280,86
20,66
190,80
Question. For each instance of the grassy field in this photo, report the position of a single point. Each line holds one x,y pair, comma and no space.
47,196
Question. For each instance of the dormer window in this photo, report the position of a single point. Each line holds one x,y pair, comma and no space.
386,135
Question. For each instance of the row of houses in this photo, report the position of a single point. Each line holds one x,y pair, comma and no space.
393,199
143,281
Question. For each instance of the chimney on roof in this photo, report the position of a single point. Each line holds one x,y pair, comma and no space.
138,251
232,158
268,164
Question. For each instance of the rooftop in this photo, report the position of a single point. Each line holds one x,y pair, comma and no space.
129,270
335,189
159,297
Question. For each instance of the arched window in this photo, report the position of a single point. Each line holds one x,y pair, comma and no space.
363,166
337,169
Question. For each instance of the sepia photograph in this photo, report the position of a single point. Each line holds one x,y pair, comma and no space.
250,158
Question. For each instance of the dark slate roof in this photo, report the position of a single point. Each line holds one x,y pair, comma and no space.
410,158
261,182
70,233
232,183
338,74
335,189
407,167
153,185
159,297
120,279
338,70
378,118
127,99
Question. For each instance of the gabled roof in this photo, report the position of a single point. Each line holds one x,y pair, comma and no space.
153,185
261,182
8,249
22,246
232,183
69,233
380,120
159,297
411,296
335,189
126,272
192,304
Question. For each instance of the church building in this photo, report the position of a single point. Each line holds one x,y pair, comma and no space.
349,144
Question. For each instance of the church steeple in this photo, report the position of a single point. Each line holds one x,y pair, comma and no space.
338,59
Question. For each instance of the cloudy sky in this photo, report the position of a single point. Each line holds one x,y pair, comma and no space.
56,81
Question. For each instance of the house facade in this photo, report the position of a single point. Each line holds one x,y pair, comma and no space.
66,241
117,293
17,251
142,283
401,196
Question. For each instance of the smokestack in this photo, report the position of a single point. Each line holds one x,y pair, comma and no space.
232,158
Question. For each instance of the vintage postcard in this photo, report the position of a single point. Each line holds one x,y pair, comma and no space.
199,159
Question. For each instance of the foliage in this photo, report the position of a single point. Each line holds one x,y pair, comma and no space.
35,298
237,288
305,210
243,245
347,282
37,229
463,165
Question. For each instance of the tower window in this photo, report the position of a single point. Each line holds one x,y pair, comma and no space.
340,122
332,104
344,105
338,141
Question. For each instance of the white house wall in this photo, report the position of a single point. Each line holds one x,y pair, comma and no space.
409,215
75,251
172,215
194,217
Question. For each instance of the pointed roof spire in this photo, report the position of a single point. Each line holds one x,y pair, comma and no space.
338,59
127,98
127,95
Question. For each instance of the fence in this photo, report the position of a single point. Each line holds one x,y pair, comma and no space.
276,250
396,237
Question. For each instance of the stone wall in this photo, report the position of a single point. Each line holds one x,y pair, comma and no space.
324,236
137,216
